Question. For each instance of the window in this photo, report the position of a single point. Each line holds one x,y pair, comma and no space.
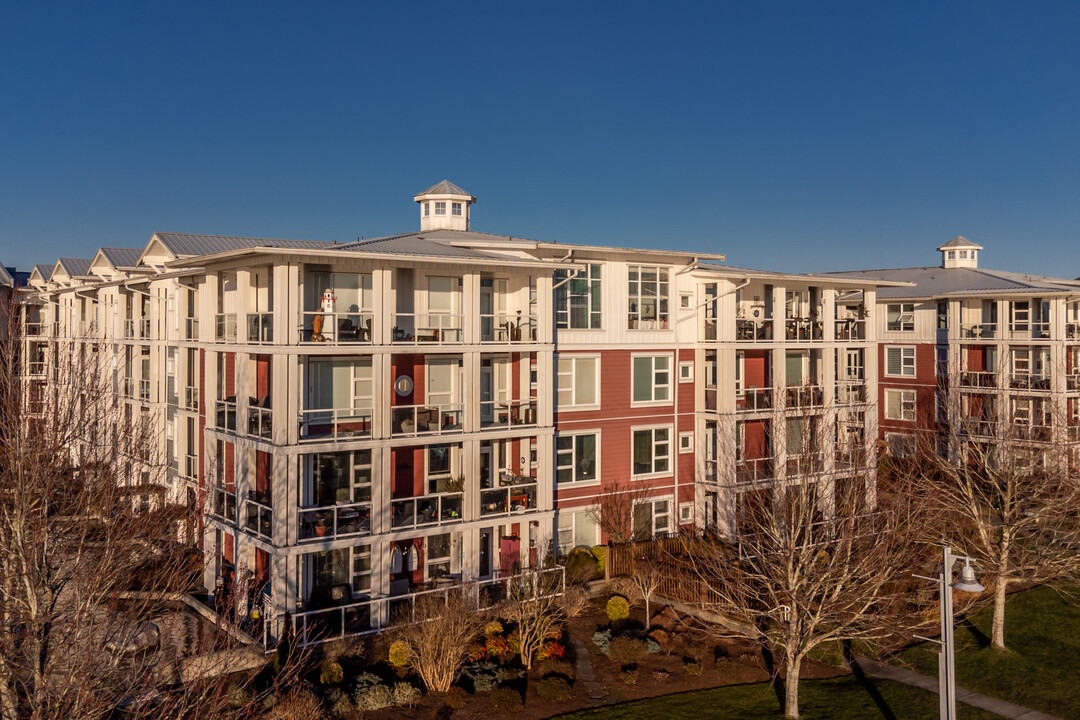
427,209
648,294
952,254
900,361
684,301
577,299
574,529
440,207
576,458
686,442
900,444
652,517
652,379
578,381
900,405
652,451
455,209
963,254
438,556
686,513
686,372
943,315
900,317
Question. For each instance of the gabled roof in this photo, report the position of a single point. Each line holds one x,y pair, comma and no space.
121,258
960,242
44,270
7,278
74,267
445,188
191,245
936,281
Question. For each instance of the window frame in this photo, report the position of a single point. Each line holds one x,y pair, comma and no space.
574,406
654,372
906,405
688,375
593,296
653,456
686,442
636,295
573,467
903,350
900,322
440,207
572,514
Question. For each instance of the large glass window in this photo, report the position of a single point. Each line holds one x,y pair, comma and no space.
648,295
576,458
577,300
652,451
579,381
438,556
652,378
900,405
900,317
900,361
576,529
652,517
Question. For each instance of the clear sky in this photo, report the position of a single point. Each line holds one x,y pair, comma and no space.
794,136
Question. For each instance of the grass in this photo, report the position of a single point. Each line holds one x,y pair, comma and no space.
842,698
1040,668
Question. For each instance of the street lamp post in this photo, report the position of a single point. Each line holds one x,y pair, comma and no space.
946,663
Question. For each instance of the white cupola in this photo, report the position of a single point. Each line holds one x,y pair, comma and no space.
960,253
444,207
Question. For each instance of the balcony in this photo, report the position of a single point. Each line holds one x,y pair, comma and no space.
144,328
415,328
226,414
978,379
1029,381
1073,432
225,327
261,420
35,368
516,493
129,328
1072,330
978,331
753,471
341,520
974,427
756,330
223,504
191,467
426,419
1072,381
144,390
335,424
850,392
34,329
507,415
804,464
191,398
1029,331
710,398
353,328
127,387
191,328
260,328
752,399
850,329
804,396
1035,433
803,330
259,516
422,510
506,328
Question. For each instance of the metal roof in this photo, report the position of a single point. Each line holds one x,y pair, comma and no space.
76,267
937,281
7,276
122,257
422,243
188,244
445,188
959,242
45,271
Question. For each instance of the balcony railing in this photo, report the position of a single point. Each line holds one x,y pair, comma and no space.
225,327
191,467
978,331
850,329
803,464
975,427
259,518
223,504
1038,433
516,493
226,415
127,387
850,392
1073,432
1072,381
339,520
436,509
1029,381
754,470
803,329
129,328
260,327
88,328
191,398
426,419
36,367
1029,330
334,424
191,328
260,422
710,398
508,328
753,330
34,329
144,390
1072,330
507,414
978,379
353,328
144,328
804,396
413,328
752,399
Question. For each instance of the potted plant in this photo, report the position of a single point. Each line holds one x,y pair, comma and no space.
320,527
455,484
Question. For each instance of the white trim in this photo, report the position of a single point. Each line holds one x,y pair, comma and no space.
688,376
688,447
906,404
596,459
902,349
653,371
573,358
652,473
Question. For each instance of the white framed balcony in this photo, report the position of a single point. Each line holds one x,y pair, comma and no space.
752,471
515,494
753,399
508,328
260,328
978,379
225,327
223,504
191,467
754,330
804,396
260,421
191,398
507,415
341,328
258,517
191,329
849,329
1029,381
803,330
335,424
979,331
412,420
850,392
421,328
144,390
343,519
1029,331
144,328
129,328
226,415
804,464
426,510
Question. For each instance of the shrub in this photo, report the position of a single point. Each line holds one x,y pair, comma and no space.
505,700
554,689
618,608
399,653
405,694
693,668
484,676
551,649
600,553
725,664
580,565
626,651
651,646
339,703
497,646
374,698
602,640
331,673
456,697
298,705
575,600
493,628
558,667
661,675
628,677
366,681
239,695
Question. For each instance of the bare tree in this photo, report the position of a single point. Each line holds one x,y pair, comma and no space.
647,573
614,511
438,636
534,604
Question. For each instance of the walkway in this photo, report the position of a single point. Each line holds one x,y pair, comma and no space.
983,702
584,669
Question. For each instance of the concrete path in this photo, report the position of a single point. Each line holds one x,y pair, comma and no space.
584,670
907,677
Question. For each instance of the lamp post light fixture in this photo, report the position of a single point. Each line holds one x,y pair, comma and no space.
946,664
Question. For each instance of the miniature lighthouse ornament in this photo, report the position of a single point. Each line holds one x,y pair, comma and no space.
329,300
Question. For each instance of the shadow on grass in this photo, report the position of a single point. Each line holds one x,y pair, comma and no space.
978,635
777,682
866,684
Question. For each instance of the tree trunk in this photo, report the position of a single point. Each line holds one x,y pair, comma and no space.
997,633
791,686
647,614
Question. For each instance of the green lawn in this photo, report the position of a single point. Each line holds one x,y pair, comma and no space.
842,698
1041,667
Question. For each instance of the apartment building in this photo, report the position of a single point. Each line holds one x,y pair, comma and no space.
361,422
970,354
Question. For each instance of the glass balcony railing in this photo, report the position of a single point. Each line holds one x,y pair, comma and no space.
507,414
191,467
260,422
850,329
334,424
341,520
225,327
514,494
978,379
1029,381
1035,433
191,328
260,327
144,328
804,396
754,470
1029,330
129,328
415,328
508,328
437,509
144,390
226,415
978,331
753,330
223,504
259,518
191,398
752,399
803,329
337,328
850,392
803,464
426,419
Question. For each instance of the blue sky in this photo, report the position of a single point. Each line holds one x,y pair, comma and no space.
795,136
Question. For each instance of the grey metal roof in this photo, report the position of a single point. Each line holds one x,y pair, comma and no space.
45,271
188,244
76,267
960,242
937,282
445,188
419,244
122,257
7,278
